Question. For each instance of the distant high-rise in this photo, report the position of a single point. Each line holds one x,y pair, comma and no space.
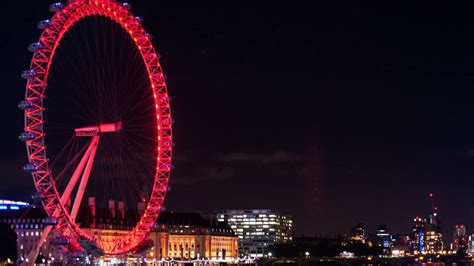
401,244
257,229
433,237
460,241
358,233
417,236
470,245
384,239
426,235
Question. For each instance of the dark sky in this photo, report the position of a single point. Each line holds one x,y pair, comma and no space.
335,114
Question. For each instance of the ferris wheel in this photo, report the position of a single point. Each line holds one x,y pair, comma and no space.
97,123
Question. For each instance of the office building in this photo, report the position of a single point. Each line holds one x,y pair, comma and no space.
384,239
433,241
461,239
258,229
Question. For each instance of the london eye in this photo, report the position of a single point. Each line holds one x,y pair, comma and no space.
97,122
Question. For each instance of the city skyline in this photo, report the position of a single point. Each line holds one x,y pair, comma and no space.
336,115
259,232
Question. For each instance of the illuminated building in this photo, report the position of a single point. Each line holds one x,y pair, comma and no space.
183,236
189,236
257,229
27,222
433,240
470,245
401,245
184,239
384,239
358,234
12,205
426,236
461,240
417,236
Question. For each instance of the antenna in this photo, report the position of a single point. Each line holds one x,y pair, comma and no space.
434,209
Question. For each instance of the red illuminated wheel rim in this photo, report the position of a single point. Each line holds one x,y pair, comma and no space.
36,124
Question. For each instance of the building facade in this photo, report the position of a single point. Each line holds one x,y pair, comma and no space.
358,234
384,239
417,236
461,239
190,236
426,236
433,242
470,244
27,222
401,245
176,236
258,229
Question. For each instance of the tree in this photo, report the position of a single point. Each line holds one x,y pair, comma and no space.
8,248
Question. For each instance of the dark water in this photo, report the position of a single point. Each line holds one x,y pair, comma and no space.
375,262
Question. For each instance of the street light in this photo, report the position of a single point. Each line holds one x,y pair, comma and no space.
307,254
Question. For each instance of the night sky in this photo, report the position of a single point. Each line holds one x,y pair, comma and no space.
335,114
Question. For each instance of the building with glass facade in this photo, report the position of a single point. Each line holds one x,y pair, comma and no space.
258,229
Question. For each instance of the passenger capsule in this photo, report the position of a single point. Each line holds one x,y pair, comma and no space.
167,144
55,7
28,74
43,24
159,56
164,99
25,136
50,221
31,167
127,5
149,36
25,105
35,47
139,19
166,166
35,196
62,241
167,121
